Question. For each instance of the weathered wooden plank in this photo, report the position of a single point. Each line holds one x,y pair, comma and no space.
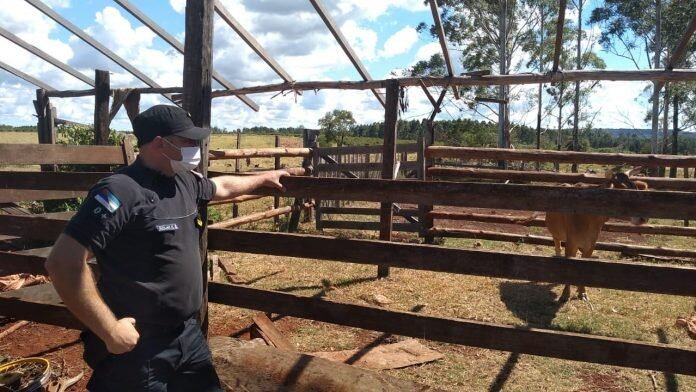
17,195
176,44
25,76
609,202
496,154
582,272
16,263
53,181
357,225
548,241
270,152
60,154
443,45
377,149
357,167
675,75
441,172
32,227
251,41
255,217
38,303
198,65
539,221
389,165
45,56
271,333
102,116
556,344
345,45
46,10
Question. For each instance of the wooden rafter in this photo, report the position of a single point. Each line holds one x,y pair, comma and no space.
176,44
343,42
45,56
25,77
46,10
443,43
560,23
251,41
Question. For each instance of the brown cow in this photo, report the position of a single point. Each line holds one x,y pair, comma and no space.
580,231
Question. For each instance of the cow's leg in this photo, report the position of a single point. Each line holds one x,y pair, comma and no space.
557,245
570,251
586,253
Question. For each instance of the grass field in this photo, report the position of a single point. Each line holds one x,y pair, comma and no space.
621,314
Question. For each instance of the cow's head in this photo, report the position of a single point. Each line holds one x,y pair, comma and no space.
622,180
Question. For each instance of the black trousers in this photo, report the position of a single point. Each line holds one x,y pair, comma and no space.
178,360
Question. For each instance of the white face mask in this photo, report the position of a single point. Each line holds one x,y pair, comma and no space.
190,158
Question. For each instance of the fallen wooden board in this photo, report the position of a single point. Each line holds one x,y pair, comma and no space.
389,356
270,333
264,369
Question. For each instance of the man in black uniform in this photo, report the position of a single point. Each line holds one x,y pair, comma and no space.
142,225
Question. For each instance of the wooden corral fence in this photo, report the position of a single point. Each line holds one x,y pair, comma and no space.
361,162
309,141
468,164
41,304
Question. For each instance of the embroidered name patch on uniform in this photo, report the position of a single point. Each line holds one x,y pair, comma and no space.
169,227
108,200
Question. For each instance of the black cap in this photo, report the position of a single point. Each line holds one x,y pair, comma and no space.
166,120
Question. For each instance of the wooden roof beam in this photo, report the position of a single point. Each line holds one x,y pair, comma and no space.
443,43
46,10
343,42
251,41
26,77
45,56
176,44
560,23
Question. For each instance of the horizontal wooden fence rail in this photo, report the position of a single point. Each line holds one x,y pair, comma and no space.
238,199
581,272
258,216
359,167
17,195
32,227
259,153
609,202
500,154
443,172
403,212
377,149
539,221
53,181
629,249
16,263
293,171
59,154
356,225
548,343
39,304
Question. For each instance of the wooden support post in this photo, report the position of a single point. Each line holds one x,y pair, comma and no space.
102,87
391,120
317,203
235,207
276,166
309,141
132,105
197,101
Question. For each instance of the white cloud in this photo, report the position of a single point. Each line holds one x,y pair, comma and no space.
363,40
426,51
401,42
178,5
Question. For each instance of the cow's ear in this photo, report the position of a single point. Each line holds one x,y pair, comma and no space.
640,185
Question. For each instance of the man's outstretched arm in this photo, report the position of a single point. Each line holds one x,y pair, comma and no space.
227,187
72,279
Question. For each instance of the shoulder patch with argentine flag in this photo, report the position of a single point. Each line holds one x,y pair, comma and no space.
108,200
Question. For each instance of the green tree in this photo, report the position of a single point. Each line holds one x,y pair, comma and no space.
336,125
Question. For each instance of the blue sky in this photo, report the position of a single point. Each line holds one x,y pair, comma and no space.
381,31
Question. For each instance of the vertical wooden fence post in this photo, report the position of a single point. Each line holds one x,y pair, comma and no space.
391,120
102,93
427,220
46,132
276,166
235,206
198,58
308,141
315,172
